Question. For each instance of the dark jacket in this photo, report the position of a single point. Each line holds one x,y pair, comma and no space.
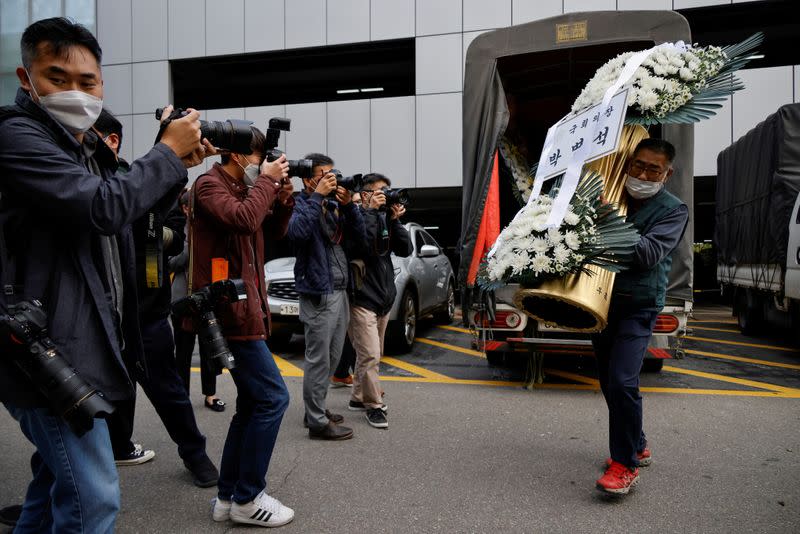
53,213
312,271
384,237
661,221
152,260
231,221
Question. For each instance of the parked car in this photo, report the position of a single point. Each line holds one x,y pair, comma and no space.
425,286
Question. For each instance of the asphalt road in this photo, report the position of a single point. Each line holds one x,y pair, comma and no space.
469,449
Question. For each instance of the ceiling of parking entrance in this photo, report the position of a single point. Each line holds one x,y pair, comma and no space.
320,74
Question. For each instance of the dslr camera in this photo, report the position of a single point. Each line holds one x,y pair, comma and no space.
233,135
23,334
354,183
200,305
395,196
302,168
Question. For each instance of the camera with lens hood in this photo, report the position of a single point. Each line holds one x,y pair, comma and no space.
201,305
23,335
233,135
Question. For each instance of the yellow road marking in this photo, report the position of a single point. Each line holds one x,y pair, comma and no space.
733,380
741,343
742,359
450,347
416,369
456,381
716,329
572,376
454,328
287,368
197,370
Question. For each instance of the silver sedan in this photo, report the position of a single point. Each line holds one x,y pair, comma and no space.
425,285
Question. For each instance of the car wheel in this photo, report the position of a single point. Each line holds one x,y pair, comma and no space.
404,329
448,313
750,316
652,365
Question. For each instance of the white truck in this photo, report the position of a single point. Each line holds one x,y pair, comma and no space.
757,230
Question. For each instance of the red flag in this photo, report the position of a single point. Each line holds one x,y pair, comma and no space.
490,223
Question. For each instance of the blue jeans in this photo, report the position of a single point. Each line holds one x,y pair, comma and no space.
75,487
620,350
262,399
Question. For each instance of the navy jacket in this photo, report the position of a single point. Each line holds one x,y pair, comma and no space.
312,272
53,212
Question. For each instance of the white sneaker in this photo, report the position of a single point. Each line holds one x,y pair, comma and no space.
264,511
220,509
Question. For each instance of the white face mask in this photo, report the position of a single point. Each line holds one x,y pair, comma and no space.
251,172
640,189
75,110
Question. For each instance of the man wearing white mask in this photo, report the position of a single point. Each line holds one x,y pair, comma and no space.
639,294
65,216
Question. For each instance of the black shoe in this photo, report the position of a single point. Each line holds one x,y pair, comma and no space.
204,473
334,418
356,406
10,515
331,432
376,418
216,405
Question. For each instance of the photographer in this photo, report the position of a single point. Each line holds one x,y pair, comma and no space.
369,313
156,236
234,206
65,218
320,230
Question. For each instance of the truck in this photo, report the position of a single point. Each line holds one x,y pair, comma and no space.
757,223
519,81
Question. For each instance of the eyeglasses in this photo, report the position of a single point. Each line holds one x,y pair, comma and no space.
651,171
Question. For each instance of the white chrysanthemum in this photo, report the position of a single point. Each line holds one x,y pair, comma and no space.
519,262
524,243
541,264
540,246
554,235
572,240
571,218
539,222
686,74
648,100
561,253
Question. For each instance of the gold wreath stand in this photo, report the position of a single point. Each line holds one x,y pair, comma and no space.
579,302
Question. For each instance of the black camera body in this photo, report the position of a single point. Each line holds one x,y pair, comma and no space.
23,333
395,196
354,183
201,305
234,135
302,168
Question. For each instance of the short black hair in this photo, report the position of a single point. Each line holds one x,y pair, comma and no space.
256,145
318,160
373,177
657,145
107,124
60,34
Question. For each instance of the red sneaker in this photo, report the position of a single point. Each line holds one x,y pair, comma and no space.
346,382
618,479
645,458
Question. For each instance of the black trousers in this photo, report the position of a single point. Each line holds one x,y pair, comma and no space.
184,348
620,350
347,361
166,392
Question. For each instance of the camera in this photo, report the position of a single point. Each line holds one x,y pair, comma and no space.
200,305
302,168
23,332
234,135
395,196
354,183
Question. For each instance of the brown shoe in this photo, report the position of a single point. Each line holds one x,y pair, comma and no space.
331,432
334,418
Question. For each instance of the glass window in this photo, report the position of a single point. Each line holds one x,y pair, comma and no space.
16,15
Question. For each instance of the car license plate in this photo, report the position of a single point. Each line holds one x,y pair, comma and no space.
290,309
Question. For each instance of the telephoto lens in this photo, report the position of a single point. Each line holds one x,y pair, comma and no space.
233,135
395,196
